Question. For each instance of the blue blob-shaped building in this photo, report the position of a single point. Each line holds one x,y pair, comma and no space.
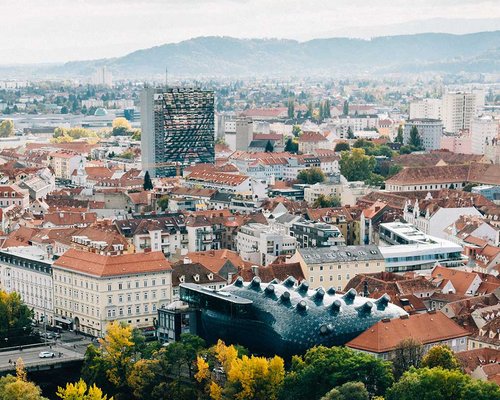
282,318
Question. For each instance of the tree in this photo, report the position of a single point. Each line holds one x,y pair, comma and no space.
441,384
18,387
326,201
80,391
441,356
291,108
408,353
348,391
311,175
375,180
15,319
147,185
342,146
94,369
118,352
415,139
345,108
399,136
350,134
167,374
121,126
312,375
356,166
163,202
240,377
291,146
269,147
6,128
64,110
296,131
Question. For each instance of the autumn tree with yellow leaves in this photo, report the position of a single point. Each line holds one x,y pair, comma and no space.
81,391
226,375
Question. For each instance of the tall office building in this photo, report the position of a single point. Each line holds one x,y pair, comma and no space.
458,110
426,108
177,129
244,133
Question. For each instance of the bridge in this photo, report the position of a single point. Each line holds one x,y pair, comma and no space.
64,354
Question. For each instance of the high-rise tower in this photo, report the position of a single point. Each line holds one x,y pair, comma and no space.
177,129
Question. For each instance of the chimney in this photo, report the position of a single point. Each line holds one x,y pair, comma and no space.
187,260
255,270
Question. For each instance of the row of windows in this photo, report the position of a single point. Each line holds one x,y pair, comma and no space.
121,311
323,279
330,267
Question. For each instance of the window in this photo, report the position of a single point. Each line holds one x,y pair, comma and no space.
129,310
120,298
110,300
137,309
339,277
145,283
145,295
129,296
109,287
120,286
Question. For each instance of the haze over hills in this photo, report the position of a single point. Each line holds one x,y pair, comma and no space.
227,56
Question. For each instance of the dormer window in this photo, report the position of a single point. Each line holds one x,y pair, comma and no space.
182,279
196,278
210,277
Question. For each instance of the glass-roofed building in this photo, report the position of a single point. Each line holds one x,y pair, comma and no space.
279,318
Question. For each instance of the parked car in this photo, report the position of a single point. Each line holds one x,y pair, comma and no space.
46,354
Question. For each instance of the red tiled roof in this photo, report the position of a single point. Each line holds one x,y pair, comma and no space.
426,328
101,266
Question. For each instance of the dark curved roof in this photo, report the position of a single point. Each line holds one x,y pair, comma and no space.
286,318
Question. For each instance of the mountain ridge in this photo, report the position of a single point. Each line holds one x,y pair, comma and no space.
229,56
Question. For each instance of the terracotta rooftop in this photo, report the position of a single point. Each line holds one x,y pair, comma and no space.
217,177
488,174
103,266
425,328
472,359
194,273
461,280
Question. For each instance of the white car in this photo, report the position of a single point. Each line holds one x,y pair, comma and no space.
46,354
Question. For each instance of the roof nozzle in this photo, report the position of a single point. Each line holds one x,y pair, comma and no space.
350,295
365,308
238,282
289,282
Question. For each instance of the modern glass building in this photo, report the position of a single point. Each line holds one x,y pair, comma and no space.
177,129
282,318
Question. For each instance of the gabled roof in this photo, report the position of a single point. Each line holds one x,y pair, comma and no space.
190,271
426,328
103,266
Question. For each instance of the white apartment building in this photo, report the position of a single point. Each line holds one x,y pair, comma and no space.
259,244
482,131
92,290
429,130
13,195
64,163
312,192
458,110
335,266
426,109
27,271
102,77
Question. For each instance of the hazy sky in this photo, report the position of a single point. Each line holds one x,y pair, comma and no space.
64,30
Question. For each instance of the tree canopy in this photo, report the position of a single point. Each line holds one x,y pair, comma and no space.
326,201
311,175
342,146
356,165
312,375
440,356
6,128
148,184
238,376
15,319
441,384
80,391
